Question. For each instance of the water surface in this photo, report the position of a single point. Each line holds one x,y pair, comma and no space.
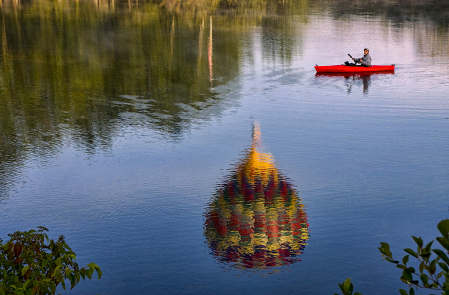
124,126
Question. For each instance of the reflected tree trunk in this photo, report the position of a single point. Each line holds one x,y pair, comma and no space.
211,74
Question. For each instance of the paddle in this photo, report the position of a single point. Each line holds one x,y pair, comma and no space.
347,63
351,56
353,59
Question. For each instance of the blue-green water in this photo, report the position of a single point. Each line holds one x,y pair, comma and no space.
122,146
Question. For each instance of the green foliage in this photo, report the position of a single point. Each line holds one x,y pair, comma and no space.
347,288
31,263
432,273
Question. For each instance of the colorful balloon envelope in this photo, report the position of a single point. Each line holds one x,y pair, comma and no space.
256,220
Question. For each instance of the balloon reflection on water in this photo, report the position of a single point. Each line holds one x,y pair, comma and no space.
256,220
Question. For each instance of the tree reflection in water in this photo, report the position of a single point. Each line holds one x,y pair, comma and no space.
256,219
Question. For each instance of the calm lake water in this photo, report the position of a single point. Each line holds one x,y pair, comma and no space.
189,153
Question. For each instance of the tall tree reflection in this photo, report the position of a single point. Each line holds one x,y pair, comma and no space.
256,219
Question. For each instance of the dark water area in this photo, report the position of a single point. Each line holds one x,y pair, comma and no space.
193,148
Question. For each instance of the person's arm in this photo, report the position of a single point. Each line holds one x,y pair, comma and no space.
366,60
357,60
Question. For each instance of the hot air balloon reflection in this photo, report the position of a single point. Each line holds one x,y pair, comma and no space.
256,220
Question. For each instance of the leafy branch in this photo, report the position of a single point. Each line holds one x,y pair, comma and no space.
347,288
31,263
432,274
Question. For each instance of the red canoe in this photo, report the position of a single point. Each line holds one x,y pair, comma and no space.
353,69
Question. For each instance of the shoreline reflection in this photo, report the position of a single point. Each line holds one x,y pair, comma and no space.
256,220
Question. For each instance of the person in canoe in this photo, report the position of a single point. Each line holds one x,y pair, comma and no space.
364,61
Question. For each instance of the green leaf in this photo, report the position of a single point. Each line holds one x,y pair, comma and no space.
431,269
72,281
77,276
422,266
403,292
428,247
92,265
443,227
411,291
443,266
56,269
407,275
347,284
391,260
434,262
444,242
67,271
405,259
411,252
89,273
24,270
53,287
27,282
99,272
446,276
442,255
385,249
425,254
63,283
418,241
424,279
